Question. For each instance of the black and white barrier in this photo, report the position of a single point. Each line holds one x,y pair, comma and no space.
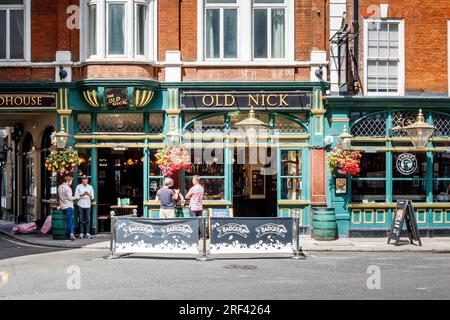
251,235
140,235
227,236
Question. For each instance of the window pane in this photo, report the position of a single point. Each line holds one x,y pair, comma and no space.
17,35
291,189
2,34
84,162
408,164
409,190
155,185
441,165
92,30
207,162
368,191
212,33
116,29
291,163
373,165
230,33
214,188
260,33
278,33
141,24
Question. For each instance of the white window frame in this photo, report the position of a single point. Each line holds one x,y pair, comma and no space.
26,7
269,7
401,56
221,7
130,52
245,34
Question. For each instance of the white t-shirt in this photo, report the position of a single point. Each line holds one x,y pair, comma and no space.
84,202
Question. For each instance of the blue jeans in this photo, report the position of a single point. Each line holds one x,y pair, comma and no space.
69,222
85,220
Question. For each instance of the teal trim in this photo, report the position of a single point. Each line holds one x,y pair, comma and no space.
146,166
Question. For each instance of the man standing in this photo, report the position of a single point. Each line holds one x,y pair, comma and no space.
66,203
86,194
196,195
167,197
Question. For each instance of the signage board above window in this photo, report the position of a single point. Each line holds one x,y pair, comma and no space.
116,98
262,100
27,101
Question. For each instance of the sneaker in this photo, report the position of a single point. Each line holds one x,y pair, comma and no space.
81,236
72,237
88,236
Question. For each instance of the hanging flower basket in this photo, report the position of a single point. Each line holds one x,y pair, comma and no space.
343,162
62,161
171,159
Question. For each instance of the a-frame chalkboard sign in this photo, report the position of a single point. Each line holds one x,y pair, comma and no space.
404,212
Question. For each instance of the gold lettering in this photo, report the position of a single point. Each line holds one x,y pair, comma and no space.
2,101
9,100
251,99
263,100
18,101
268,100
283,101
211,100
217,101
39,101
229,103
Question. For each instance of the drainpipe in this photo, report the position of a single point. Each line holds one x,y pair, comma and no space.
356,39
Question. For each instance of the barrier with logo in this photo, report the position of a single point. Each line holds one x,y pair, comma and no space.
251,235
140,235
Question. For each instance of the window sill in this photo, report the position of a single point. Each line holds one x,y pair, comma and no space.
240,63
118,60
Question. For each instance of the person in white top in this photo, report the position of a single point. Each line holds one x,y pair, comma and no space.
86,194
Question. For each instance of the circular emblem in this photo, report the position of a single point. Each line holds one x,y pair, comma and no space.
406,163
408,121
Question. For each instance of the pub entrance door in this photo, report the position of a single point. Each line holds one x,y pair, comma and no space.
254,186
120,175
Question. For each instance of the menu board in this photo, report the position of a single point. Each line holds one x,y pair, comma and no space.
404,212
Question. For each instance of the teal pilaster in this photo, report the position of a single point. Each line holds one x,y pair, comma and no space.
146,164
94,174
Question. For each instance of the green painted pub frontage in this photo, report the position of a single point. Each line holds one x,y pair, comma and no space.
392,168
118,126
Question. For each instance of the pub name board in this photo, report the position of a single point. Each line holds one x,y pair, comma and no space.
27,101
266,100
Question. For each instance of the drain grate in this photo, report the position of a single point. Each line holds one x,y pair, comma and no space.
240,266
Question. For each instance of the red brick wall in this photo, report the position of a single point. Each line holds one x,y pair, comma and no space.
118,71
168,27
245,74
426,41
189,30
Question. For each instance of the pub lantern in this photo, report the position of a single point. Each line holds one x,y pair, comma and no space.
172,137
251,125
420,131
345,139
61,138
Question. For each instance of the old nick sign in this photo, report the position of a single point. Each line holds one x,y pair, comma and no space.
244,100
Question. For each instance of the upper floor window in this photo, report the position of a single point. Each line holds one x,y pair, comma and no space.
269,32
119,29
12,29
247,29
384,57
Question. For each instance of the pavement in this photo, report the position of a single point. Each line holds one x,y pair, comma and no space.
307,244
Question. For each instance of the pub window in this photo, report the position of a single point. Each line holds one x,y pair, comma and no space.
221,25
84,123
441,177
209,165
84,162
370,186
269,29
12,30
409,184
209,125
291,174
383,54
156,179
156,122
120,123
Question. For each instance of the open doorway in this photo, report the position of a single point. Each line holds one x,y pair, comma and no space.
254,187
120,175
